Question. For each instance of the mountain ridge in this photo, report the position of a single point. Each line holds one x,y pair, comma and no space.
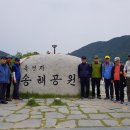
118,46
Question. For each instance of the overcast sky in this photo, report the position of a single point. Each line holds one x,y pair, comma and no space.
34,25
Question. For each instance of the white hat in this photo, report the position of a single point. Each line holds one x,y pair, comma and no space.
117,59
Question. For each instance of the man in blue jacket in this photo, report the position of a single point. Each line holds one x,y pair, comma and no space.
4,79
16,78
107,67
84,75
9,63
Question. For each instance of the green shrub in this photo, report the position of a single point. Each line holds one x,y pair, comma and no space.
31,102
45,96
58,102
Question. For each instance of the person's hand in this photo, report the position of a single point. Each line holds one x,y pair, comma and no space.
125,74
15,81
12,80
102,79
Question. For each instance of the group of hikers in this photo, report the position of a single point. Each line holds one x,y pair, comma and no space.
115,75
9,74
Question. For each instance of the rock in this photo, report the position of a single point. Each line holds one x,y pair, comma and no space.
111,122
89,110
120,115
90,123
5,112
50,123
48,110
76,112
54,115
126,122
36,117
40,107
50,74
64,110
99,116
24,111
67,124
30,123
35,113
17,117
5,126
77,116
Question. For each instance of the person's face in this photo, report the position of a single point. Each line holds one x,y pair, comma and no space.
9,60
84,60
117,62
3,61
107,60
96,60
17,62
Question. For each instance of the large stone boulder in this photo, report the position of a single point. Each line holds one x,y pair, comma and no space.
50,74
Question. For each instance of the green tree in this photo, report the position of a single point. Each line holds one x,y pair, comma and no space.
29,54
19,55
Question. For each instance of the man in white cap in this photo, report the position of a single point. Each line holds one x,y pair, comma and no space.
118,78
127,75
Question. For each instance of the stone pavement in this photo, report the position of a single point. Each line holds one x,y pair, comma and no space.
88,113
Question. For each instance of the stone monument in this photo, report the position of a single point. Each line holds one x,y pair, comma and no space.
50,74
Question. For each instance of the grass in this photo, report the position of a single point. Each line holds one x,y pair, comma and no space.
31,102
58,102
45,96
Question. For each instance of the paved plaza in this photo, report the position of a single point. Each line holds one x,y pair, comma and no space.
87,113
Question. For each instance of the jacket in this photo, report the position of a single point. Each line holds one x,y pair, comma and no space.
84,70
96,70
4,73
16,71
121,70
107,70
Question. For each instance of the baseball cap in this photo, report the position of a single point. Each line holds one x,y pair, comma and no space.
96,57
117,59
9,56
17,59
107,57
3,57
83,57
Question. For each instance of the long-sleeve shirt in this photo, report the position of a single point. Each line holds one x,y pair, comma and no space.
127,68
